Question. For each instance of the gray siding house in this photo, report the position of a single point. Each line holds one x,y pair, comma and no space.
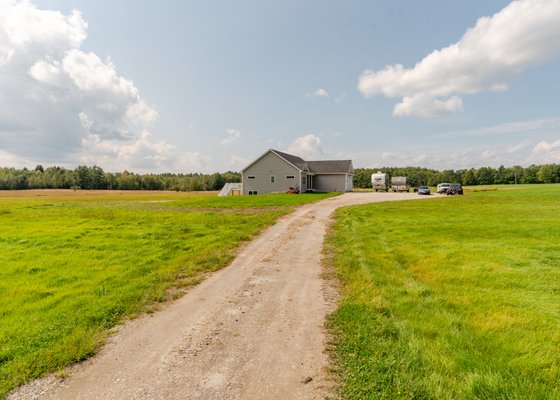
275,171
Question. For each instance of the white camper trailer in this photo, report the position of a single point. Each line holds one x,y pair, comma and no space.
398,184
379,181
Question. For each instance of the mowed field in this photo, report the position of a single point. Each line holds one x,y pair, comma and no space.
455,298
75,264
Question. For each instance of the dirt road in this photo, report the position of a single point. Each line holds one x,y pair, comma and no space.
253,330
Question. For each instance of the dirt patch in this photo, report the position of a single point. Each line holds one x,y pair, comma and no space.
253,330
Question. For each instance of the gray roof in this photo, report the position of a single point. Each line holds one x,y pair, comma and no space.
331,167
318,167
297,161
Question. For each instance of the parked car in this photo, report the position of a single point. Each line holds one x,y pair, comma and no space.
423,190
442,188
454,188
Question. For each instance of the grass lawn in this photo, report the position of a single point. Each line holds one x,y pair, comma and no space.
73,265
452,298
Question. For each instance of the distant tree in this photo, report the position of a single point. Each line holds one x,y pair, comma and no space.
545,174
217,181
469,177
152,182
485,176
98,180
39,168
128,181
83,177
530,174
362,178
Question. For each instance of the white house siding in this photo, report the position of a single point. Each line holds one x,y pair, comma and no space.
332,183
262,170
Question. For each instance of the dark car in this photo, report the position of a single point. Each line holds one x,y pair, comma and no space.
423,190
454,188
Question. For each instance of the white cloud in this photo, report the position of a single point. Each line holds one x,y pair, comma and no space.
11,160
516,148
387,155
233,136
489,154
237,162
59,104
498,48
509,128
193,161
307,147
444,157
319,93
427,107
141,154
340,98
546,152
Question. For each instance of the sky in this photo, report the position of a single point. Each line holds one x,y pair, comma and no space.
208,86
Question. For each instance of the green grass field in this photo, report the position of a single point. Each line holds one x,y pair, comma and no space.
73,265
452,298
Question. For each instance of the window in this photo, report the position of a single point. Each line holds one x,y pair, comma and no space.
250,177
252,192
290,177
272,179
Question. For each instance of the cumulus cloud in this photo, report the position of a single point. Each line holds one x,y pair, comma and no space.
193,161
233,136
546,152
498,48
307,147
60,104
319,93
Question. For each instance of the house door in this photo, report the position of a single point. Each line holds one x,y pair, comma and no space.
309,182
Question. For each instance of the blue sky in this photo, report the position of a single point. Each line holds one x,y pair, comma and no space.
190,86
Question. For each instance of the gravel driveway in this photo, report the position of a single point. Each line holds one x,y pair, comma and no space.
253,330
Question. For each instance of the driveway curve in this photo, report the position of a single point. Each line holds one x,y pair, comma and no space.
252,330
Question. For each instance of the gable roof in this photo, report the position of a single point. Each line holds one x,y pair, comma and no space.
318,167
295,160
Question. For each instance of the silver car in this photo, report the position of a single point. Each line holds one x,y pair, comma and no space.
442,187
423,190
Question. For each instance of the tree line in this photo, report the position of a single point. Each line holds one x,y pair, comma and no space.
84,177
548,173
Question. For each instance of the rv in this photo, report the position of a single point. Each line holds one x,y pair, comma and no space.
379,181
398,184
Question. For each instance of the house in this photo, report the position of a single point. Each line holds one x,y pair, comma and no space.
275,171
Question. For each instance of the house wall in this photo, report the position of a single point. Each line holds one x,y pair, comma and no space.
270,165
333,183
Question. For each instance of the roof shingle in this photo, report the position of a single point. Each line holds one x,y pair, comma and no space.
318,167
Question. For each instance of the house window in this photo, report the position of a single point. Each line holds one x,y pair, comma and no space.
252,192
290,177
272,179
250,177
